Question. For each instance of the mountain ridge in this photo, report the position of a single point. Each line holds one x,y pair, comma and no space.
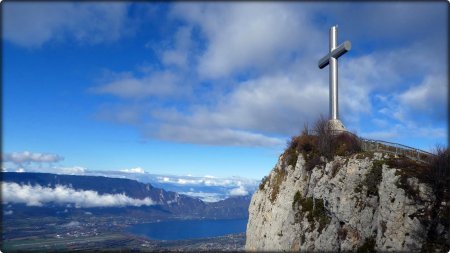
171,203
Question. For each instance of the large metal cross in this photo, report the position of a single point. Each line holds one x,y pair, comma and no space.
331,59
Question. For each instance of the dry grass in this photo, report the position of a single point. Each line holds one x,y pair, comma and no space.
278,178
263,182
346,144
323,144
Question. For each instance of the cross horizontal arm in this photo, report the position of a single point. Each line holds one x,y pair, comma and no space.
336,53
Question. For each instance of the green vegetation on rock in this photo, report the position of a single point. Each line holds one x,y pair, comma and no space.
373,178
314,209
278,178
263,182
368,246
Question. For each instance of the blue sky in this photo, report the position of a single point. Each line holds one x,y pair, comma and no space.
212,88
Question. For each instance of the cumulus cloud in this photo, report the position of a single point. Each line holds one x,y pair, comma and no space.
38,196
137,170
258,62
243,35
158,83
179,54
213,136
427,98
29,157
256,113
38,162
34,24
239,191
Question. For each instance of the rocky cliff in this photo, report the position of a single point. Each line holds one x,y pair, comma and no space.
359,202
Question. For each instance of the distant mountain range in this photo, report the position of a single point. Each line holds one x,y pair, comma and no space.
34,194
206,188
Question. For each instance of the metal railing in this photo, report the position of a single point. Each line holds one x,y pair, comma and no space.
395,148
389,147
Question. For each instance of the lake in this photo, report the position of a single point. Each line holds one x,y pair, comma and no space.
188,229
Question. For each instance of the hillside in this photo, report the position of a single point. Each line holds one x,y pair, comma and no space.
349,201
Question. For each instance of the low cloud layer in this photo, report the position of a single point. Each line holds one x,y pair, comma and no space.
137,170
205,196
29,157
239,191
38,196
206,181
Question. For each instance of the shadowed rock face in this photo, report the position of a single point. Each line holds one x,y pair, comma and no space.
349,203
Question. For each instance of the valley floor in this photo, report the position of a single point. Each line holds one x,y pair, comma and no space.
98,233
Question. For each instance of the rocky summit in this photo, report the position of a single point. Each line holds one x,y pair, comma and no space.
364,202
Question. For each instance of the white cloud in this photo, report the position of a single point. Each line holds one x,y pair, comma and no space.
38,196
207,181
75,170
205,196
427,98
28,157
157,83
253,114
137,170
259,63
244,35
71,170
239,191
188,181
213,136
34,24
179,54
401,21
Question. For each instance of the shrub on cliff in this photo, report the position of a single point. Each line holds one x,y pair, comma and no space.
305,144
440,182
322,143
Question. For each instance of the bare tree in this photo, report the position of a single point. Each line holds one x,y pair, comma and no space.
440,178
325,137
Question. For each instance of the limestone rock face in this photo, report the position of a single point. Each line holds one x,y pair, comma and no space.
346,204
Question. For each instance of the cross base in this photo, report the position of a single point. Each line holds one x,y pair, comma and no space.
335,125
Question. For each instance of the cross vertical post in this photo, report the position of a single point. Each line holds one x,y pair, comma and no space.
333,76
331,59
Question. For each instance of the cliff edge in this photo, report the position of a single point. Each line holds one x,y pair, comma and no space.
363,201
